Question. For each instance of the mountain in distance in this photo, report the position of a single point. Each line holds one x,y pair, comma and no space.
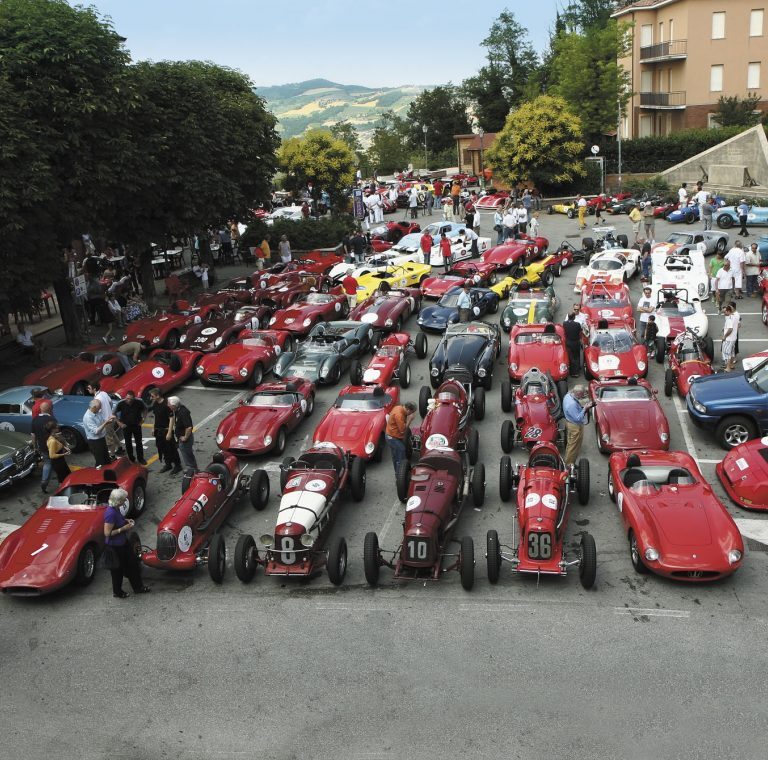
320,103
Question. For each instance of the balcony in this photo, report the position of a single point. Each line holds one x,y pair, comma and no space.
674,50
662,100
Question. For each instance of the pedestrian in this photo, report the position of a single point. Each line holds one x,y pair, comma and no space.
349,286
651,333
737,258
429,201
456,196
113,441
95,422
398,424
167,452
522,219
581,208
39,430
645,307
743,212
715,265
130,414
30,345
724,281
573,333
476,221
682,195
358,246
413,202
464,303
636,218
649,222
469,215
646,262
706,211
737,321
183,430
498,225
425,246
57,451
575,411
285,249
599,207
752,271
121,558
445,251
533,225
581,318
510,223
730,335
438,186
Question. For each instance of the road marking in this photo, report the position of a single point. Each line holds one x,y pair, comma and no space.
653,612
6,529
390,517
223,389
709,461
682,413
757,530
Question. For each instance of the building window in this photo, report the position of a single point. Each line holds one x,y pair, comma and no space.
711,123
467,157
753,76
646,35
671,29
716,78
756,23
718,25
661,31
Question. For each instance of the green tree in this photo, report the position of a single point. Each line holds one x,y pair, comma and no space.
444,112
319,159
346,132
735,112
542,142
389,150
589,14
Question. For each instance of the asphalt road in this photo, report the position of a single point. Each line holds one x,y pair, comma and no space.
637,667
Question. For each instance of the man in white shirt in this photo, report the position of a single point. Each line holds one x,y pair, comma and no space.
723,282
113,442
700,197
645,307
510,223
730,336
682,195
392,194
29,344
752,271
522,218
581,206
738,262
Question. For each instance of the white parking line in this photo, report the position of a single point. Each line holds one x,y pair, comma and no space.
220,409
388,522
743,340
223,389
757,530
682,413
653,612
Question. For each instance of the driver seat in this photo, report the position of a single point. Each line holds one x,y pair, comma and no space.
545,460
679,476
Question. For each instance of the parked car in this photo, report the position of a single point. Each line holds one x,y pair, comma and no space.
743,473
17,457
611,350
676,312
522,249
612,265
684,242
164,330
476,273
606,300
445,312
387,312
540,346
468,352
211,333
73,375
492,200
681,271
521,276
390,362
244,362
688,357
530,306
392,232
406,275
308,310
727,216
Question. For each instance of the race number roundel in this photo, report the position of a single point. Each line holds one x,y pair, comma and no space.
106,370
412,503
185,538
532,500
208,331
337,306
158,372
315,485
549,501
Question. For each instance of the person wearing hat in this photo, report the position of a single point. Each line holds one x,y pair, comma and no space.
645,308
575,408
743,211
349,286
464,302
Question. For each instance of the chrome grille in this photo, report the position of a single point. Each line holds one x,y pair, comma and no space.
166,546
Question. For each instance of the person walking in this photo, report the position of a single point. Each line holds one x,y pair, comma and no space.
581,210
573,333
57,451
752,270
183,430
95,422
425,246
645,307
576,416
445,251
599,208
649,222
429,202
398,424
167,452
738,262
498,226
456,196
40,432
724,282
706,211
123,562
636,218
285,249
743,212
130,414
464,302
349,286
358,246
413,203
730,336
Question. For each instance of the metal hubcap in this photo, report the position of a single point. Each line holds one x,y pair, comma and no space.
342,563
736,434
89,564
634,551
611,487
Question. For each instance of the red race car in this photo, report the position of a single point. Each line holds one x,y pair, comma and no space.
607,300
72,376
289,287
186,536
161,369
560,259
392,232
390,362
675,525
744,474
165,330
228,298
63,538
522,249
477,273
313,488
541,346
537,411
309,309
386,312
493,200
612,350
628,416
244,362
688,357
212,332
543,487
357,420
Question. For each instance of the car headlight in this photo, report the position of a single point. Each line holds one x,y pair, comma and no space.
244,372
59,392
267,440
219,438
698,406
307,540
434,372
273,320
664,437
594,366
266,540
563,367
307,322
507,321
510,261
199,370
156,339
513,366
182,339
651,554
388,323
370,447
481,372
218,340
641,366
734,556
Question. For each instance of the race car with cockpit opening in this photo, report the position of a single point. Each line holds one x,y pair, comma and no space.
688,357
529,305
390,362
386,311
467,351
541,346
675,313
612,350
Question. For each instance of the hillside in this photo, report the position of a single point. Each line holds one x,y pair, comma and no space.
319,103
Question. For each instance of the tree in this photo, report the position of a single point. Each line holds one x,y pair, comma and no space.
734,112
389,150
588,14
444,112
542,142
320,160
346,132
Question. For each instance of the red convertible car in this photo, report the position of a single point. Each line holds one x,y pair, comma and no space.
612,350
165,330
522,249
62,539
313,488
537,411
541,346
607,300
308,310
262,421
186,536
289,287
227,299
688,357
386,312
390,362
72,376
543,487
493,200
212,332
392,232
628,416
675,525
744,474
161,369
477,273
244,362
357,420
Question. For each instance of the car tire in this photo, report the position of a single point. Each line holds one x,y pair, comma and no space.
310,405
611,487
284,468
403,480
280,440
661,349
473,445
478,485
420,345
724,222
357,478
355,372
507,436
623,241
588,563
557,270
73,440
494,307
493,556
505,478
734,430
404,374
721,245
378,452
256,376
570,213
562,388
425,394
172,341
258,490
479,403
138,500
587,373
708,346
669,382
550,210
86,565
245,562
582,481
371,563
467,563
634,555
547,278
506,396
765,314
689,218
217,558
336,564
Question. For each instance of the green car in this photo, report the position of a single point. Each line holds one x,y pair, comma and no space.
17,457
529,307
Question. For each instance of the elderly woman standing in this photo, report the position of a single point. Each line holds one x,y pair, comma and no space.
125,563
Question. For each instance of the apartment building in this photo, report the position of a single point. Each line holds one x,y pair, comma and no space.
685,55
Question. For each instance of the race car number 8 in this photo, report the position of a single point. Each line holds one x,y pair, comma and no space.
287,546
539,545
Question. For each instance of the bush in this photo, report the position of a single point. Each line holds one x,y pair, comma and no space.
648,186
304,235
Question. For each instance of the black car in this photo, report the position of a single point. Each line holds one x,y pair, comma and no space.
467,352
446,311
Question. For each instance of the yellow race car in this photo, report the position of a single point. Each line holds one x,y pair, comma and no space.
569,209
409,274
534,274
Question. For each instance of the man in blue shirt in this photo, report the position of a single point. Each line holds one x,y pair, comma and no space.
576,417
743,211
464,302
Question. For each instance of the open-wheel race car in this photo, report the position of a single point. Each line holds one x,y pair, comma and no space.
541,346
313,487
61,541
392,232
288,286
73,375
681,270
390,362
688,357
187,536
244,362
743,474
538,409
543,487
467,351
676,312
387,311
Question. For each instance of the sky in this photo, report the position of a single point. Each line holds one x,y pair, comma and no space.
341,40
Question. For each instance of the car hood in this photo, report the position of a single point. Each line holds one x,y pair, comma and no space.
11,442
631,424
438,315
70,409
727,390
463,351
350,430
682,519
246,420
307,367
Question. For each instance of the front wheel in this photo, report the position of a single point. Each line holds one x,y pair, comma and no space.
505,478
733,431
138,501
404,374
357,479
582,481
467,563
425,394
724,222
420,345
478,485
547,278
337,561
258,490
246,558
371,564
256,376
588,564
506,396
86,565
473,445
661,349
403,480
507,436
669,382
634,555
217,558
479,403
493,555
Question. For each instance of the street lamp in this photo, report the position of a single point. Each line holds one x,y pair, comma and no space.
482,172
425,129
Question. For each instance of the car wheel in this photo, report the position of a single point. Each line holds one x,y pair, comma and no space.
492,555
661,348
582,480
708,346
138,500
420,345
587,373
473,445
505,478
256,376
280,440
765,314
425,394
669,382
690,218
733,431
172,341
371,558
402,480
721,245
72,439
258,490
724,222
623,241
246,558
404,374
588,563
467,563
284,469
611,487
506,396
570,214
357,478
588,244
478,485
547,278
337,561
598,441
557,270
86,565
217,558
550,210
634,555
507,436
479,403
494,307
335,374
355,372
79,389
310,405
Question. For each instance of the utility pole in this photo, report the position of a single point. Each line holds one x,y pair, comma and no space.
618,140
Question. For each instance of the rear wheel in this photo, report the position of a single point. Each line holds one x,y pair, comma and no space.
371,564
634,555
425,394
467,563
310,405
246,558
582,480
402,480
661,348
420,345
505,478
258,490
669,382
337,561
623,241
611,487
733,431
357,479
547,278
690,218
479,403
217,558
588,564
478,485
506,396
86,565
138,500
507,436
493,555
473,445
404,374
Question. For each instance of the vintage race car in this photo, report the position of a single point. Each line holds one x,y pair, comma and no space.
73,375
62,539
681,272
561,259
539,346
254,316
611,350
392,232
612,265
663,209
187,536
520,250
743,473
357,420
289,287
161,369
569,209
228,299
313,487
17,457
529,306
628,416
262,422
244,362
390,362
445,312
685,242
675,525
387,312
606,300
374,264
676,312
543,487
521,276
213,332
477,273
467,352
492,200
688,357
327,352
406,275
537,402
727,216
164,330
308,310
604,239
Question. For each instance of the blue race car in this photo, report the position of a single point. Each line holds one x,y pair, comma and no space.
446,311
728,216
733,404
16,413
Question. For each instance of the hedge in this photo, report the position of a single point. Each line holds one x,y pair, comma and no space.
303,235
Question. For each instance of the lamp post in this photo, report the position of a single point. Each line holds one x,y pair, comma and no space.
482,168
425,129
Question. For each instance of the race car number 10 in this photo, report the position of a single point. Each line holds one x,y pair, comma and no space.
417,549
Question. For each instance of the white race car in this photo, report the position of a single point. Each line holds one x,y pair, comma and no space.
373,264
683,242
613,265
680,272
675,313
461,242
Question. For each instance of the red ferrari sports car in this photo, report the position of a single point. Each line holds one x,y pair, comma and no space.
289,287
628,416
522,249
477,273
612,350
72,376
392,232
161,369
607,300
386,312
212,332
246,361
675,525
541,346
262,421
308,310
390,362
493,200
165,330
62,539
744,474
688,357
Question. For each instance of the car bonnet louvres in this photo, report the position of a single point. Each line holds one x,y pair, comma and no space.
459,372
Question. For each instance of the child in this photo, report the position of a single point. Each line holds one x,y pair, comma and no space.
651,331
533,225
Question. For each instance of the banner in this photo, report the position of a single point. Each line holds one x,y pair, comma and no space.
358,207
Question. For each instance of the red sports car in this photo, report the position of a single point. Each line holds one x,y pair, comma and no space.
493,200
212,332
537,411
628,416
263,421
165,330
541,346
606,300
560,259
744,474
765,303
289,287
246,361
390,362
386,312
688,357
227,299
308,310
161,369
357,420
612,350
522,249
72,376
675,525
391,232
62,539
477,273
